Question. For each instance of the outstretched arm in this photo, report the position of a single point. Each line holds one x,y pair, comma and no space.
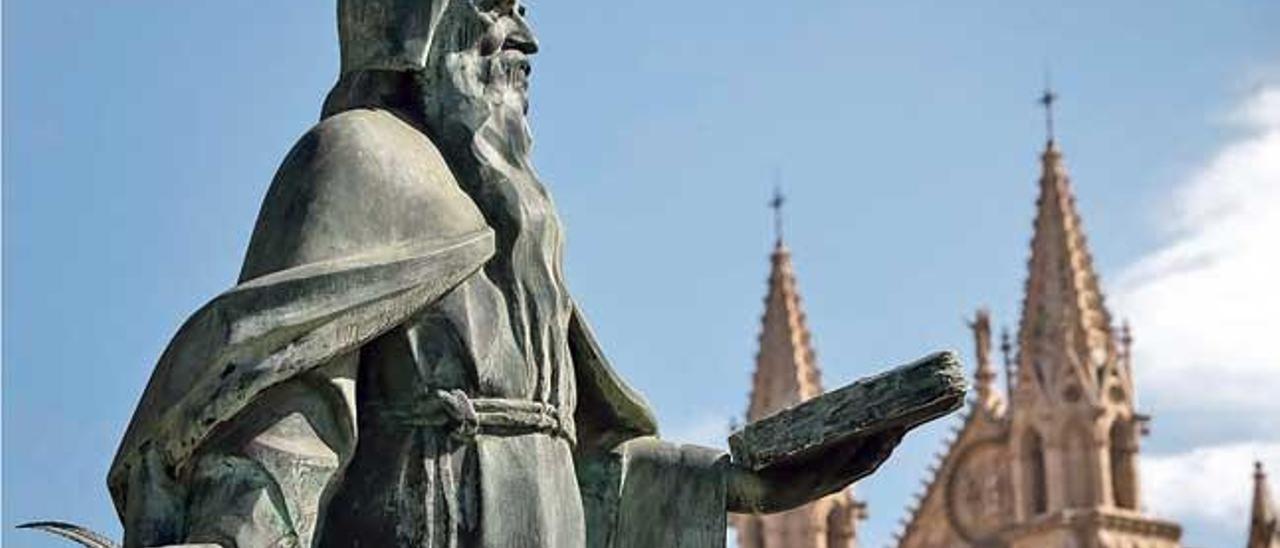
826,443
786,487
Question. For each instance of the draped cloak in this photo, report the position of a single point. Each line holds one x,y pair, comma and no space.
263,422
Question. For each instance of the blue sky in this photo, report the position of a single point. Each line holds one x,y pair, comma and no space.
139,138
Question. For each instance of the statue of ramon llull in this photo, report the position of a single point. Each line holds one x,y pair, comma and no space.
401,364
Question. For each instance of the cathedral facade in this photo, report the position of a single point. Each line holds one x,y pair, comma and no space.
1049,460
786,374
1052,461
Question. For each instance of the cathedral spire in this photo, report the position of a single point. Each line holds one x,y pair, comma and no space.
1065,337
985,374
786,367
1264,525
786,373
1058,462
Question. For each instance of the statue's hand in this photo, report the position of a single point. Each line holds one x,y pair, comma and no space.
783,487
825,443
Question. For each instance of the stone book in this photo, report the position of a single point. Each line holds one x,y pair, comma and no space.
902,398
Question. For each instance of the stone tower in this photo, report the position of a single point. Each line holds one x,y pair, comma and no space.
1052,462
786,374
1264,522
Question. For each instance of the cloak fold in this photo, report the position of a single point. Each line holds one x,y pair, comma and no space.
274,328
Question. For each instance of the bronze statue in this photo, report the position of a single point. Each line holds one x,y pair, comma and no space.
401,364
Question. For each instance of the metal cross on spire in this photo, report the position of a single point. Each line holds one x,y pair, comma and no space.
1047,100
776,204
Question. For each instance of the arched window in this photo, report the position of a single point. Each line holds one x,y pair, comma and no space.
1124,484
1035,480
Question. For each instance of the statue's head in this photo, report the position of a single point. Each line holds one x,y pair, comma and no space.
471,57
458,69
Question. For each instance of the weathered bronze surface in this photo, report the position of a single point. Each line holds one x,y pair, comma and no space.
401,363
901,398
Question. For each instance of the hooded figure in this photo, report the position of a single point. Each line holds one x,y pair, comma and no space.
401,364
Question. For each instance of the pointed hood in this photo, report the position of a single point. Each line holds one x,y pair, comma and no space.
1064,338
786,367
390,35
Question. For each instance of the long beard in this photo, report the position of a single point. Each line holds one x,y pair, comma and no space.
478,118
475,108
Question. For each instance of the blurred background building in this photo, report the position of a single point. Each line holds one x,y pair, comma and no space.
1264,524
786,374
1053,461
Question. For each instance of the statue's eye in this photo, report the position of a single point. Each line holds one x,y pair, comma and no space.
498,7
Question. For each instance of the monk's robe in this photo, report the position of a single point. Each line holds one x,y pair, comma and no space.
387,374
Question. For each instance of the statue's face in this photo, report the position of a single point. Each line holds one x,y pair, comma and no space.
482,57
506,33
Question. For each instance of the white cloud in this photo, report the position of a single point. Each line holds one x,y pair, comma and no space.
1206,310
1207,483
1262,110
1206,306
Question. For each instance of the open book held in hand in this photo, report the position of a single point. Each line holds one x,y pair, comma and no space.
899,399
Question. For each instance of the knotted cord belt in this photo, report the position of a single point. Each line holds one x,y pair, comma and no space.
466,417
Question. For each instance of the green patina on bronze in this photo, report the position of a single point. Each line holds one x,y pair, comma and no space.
401,363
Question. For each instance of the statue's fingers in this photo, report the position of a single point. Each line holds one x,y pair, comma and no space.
867,456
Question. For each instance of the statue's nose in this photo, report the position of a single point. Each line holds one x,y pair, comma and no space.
521,37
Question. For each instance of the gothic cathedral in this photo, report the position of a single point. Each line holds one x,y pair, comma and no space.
1052,462
786,374
1049,462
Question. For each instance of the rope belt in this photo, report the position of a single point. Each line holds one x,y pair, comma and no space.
466,417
